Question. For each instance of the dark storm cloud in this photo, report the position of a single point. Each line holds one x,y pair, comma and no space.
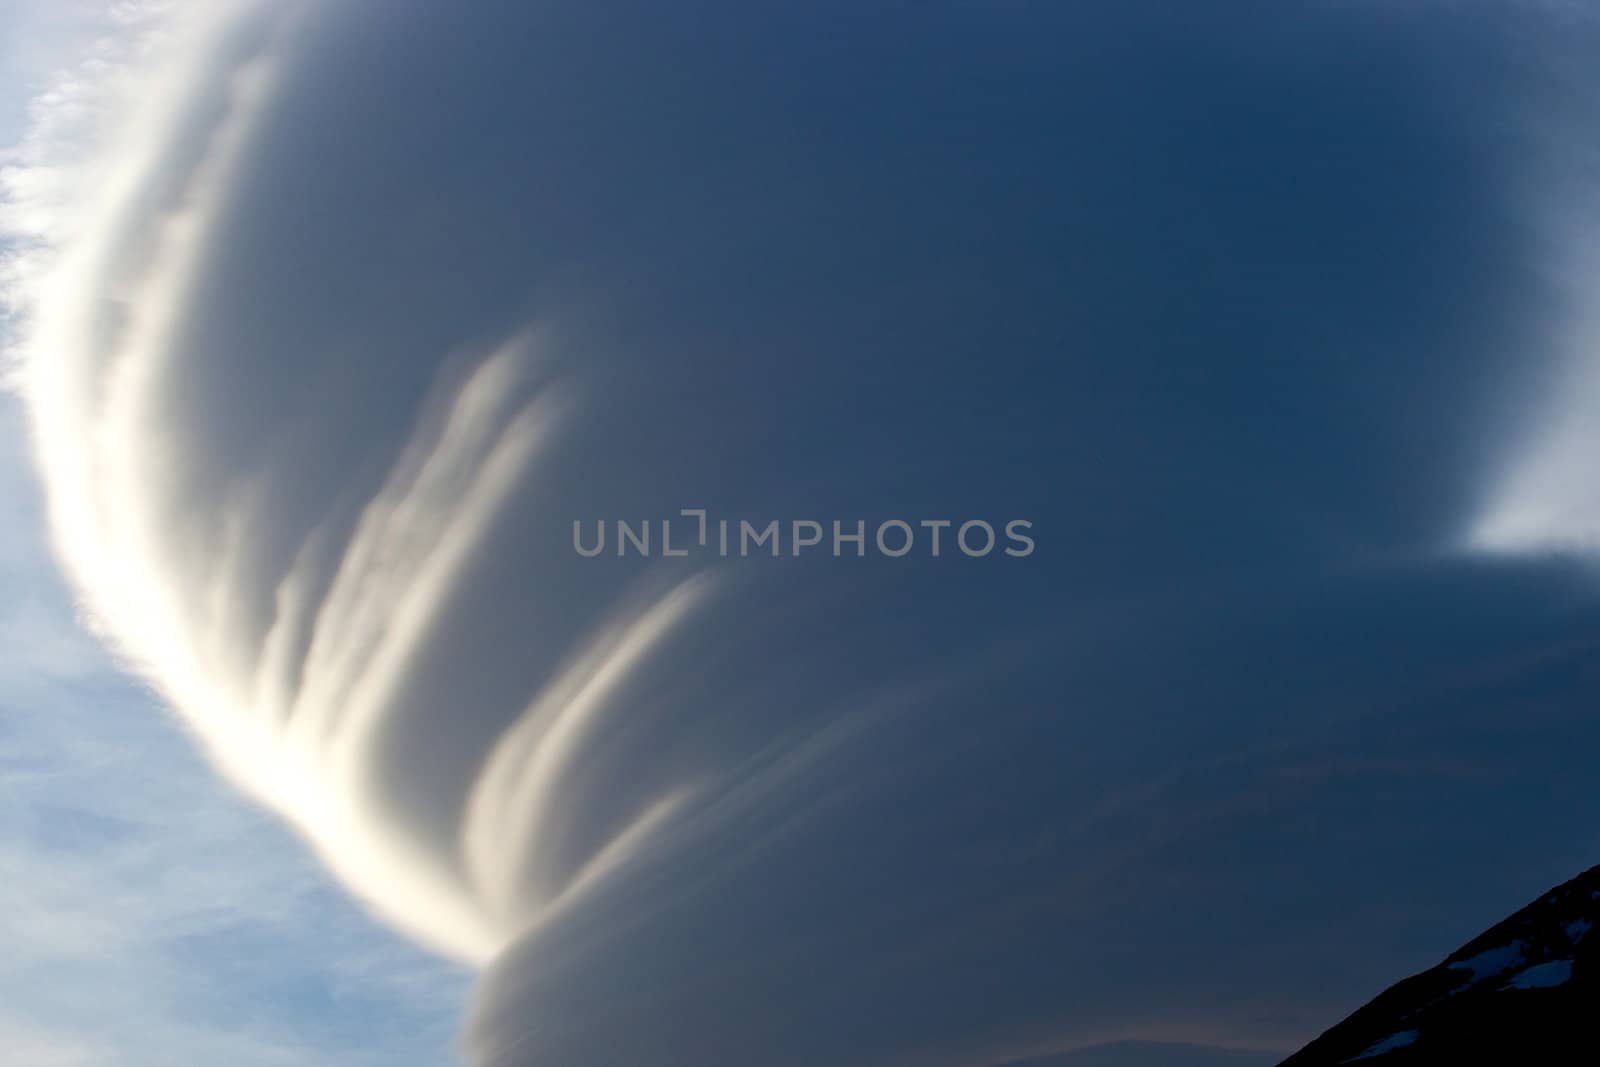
1228,304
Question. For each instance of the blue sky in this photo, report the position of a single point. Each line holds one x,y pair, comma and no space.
134,881
132,878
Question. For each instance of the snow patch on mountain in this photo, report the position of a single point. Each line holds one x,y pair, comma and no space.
1543,975
1493,962
1388,1044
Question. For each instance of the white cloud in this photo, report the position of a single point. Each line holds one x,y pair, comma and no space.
1541,496
150,917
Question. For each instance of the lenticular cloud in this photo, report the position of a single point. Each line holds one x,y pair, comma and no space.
331,321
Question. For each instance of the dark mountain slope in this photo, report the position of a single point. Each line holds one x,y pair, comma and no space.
1525,992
